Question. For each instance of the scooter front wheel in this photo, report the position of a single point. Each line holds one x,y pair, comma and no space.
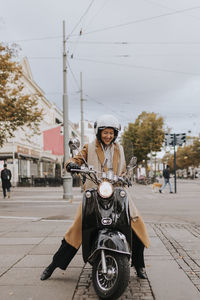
112,284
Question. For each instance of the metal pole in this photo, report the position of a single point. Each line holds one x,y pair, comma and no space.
67,179
174,163
82,119
13,174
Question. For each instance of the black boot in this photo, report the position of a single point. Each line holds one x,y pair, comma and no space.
48,271
138,256
140,273
61,259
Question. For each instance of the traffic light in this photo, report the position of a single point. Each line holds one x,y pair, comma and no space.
169,139
180,139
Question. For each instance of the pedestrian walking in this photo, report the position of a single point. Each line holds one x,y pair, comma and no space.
166,175
104,147
5,180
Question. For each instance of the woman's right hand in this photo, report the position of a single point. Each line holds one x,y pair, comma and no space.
70,166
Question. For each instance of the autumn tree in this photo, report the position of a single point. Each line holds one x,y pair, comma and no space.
17,108
186,156
168,159
146,134
196,152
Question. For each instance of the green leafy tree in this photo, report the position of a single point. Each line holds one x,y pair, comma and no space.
17,108
146,134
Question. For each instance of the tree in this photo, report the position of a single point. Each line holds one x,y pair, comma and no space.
146,134
17,108
196,152
186,157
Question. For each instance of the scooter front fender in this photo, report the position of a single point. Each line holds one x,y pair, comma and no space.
110,240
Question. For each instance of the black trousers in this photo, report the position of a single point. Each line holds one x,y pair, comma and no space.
64,255
5,187
137,252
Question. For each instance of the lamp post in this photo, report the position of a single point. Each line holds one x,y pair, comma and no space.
67,179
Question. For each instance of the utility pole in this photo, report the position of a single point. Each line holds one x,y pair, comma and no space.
175,190
67,179
82,119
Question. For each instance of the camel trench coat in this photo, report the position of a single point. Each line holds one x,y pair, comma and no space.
74,235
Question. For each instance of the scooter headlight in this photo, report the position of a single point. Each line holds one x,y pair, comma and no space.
105,189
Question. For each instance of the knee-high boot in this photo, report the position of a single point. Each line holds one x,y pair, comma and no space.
61,259
138,255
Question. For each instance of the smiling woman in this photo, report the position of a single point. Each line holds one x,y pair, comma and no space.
106,156
107,135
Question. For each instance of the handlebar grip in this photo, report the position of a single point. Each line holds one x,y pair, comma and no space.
75,170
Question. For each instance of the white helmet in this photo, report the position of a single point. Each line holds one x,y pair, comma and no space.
106,121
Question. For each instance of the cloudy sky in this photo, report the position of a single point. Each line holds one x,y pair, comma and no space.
134,55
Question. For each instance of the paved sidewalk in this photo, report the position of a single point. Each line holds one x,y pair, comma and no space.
32,224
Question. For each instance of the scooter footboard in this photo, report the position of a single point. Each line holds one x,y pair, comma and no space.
112,241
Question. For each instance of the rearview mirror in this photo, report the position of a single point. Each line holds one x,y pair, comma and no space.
74,144
133,162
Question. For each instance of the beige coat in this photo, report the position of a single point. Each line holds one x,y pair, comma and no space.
74,235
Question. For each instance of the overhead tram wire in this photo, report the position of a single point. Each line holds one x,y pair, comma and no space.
74,77
97,13
92,98
139,67
108,43
109,27
135,43
141,20
84,14
80,32
44,57
109,107
167,7
36,39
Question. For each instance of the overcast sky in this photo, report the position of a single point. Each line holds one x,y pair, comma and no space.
135,55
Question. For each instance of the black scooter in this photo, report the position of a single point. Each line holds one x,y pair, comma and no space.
106,232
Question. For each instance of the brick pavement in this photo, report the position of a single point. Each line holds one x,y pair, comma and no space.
182,244
32,224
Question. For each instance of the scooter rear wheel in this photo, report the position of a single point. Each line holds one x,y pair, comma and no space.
112,284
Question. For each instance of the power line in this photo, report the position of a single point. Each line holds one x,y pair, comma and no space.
36,39
105,2
80,33
44,57
140,67
81,18
75,80
126,56
142,20
126,65
105,105
109,43
165,6
135,43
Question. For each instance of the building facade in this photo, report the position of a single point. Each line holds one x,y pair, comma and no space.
32,156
